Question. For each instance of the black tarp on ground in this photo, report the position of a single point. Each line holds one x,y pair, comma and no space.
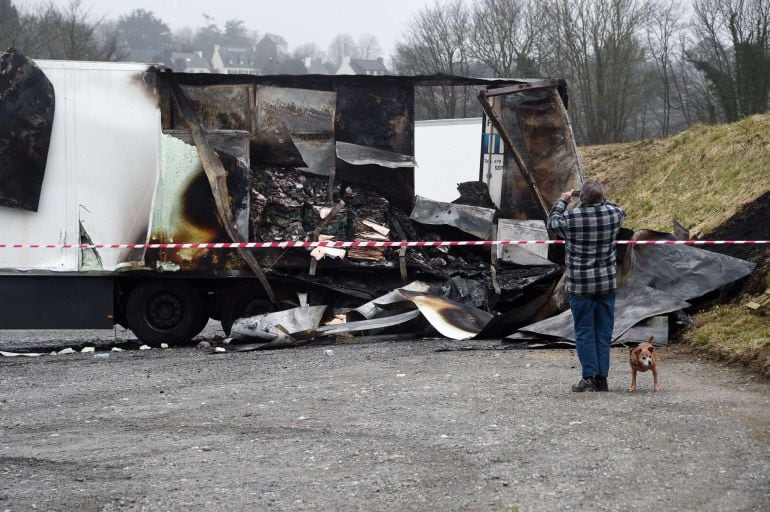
663,278
26,119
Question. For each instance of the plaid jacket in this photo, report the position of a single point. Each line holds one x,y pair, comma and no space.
589,232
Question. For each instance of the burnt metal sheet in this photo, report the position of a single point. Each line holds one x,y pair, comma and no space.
330,82
219,107
308,116
184,209
656,326
299,338
512,229
473,220
518,316
684,271
544,84
217,178
374,307
362,155
660,280
265,327
371,323
301,110
377,115
472,292
632,305
26,119
317,154
273,145
549,141
541,159
452,319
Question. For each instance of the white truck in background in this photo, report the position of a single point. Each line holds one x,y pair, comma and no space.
449,149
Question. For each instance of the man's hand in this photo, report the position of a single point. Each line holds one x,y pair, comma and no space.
566,196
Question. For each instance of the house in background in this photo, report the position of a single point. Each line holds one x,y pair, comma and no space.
316,66
149,56
234,61
362,67
189,62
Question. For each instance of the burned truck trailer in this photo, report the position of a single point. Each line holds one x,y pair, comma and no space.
126,153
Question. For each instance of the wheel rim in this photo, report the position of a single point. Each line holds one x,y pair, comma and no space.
164,312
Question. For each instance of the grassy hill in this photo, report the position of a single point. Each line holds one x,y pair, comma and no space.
715,180
700,177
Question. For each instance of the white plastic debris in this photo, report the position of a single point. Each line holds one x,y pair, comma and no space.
67,350
87,350
116,349
145,347
164,345
20,354
220,350
329,352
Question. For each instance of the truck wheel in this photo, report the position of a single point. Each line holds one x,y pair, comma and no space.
242,303
165,311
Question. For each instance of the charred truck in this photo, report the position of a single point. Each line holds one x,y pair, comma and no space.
100,153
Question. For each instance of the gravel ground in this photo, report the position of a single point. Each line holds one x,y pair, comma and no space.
382,426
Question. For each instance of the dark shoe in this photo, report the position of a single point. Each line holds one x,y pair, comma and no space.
586,384
601,384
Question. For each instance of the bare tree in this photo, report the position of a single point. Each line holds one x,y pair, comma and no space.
368,47
732,51
437,41
504,36
599,49
341,46
307,50
665,24
68,33
693,97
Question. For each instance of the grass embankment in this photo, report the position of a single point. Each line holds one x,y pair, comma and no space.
702,178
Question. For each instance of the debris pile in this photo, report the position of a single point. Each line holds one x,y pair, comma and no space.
465,293
282,203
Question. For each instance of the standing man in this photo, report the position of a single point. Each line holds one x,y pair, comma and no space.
589,231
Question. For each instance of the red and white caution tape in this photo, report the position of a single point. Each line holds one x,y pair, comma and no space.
329,243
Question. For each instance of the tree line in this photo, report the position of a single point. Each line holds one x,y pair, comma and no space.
635,69
71,32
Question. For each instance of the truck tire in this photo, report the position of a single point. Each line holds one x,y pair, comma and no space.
241,303
165,311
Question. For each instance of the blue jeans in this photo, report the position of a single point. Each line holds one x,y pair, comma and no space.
594,318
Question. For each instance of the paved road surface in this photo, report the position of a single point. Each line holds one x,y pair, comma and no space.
387,426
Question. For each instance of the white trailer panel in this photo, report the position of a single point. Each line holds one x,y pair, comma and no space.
103,164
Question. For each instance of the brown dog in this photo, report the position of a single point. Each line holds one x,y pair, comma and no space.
643,359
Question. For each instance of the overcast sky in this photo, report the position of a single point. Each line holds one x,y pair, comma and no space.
298,21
